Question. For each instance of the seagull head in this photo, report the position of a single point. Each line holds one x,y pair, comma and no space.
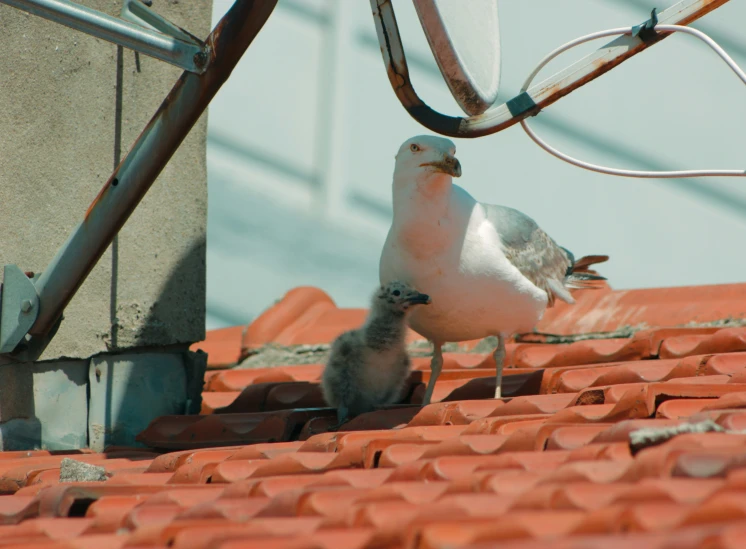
425,155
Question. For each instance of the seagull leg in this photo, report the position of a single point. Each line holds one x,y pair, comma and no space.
499,356
436,364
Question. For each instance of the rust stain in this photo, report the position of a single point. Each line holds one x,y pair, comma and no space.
600,67
598,64
556,88
95,201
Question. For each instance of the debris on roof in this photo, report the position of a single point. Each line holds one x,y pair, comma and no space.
634,441
78,471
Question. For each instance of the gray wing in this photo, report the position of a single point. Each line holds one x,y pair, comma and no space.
532,251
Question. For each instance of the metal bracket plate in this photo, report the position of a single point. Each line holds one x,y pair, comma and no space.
19,307
465,40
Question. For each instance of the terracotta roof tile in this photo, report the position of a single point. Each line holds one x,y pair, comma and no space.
237,380
727,340
551,465
581,352
223,346
219,430
213,401
608,311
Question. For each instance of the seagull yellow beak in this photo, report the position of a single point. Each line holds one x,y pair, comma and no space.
449,165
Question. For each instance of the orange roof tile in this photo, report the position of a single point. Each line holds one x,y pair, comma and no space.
551,465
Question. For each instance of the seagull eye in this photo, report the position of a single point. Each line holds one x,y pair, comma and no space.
397,293
414,147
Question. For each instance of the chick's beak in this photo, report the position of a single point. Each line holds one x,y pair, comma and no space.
418,299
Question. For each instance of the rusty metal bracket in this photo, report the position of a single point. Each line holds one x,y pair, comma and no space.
20,307
126,187
542,94
144,31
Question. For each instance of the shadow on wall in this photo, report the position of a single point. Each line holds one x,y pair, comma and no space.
130,389
43,405
169,318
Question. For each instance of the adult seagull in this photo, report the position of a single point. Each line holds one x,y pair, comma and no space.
489,270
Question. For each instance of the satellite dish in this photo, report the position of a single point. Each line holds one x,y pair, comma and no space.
464,37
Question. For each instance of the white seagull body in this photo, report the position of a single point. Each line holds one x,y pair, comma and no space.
489,270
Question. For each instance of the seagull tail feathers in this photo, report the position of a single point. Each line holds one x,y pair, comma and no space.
586,261
580,277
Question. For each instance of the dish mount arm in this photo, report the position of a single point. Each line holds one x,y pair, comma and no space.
538,96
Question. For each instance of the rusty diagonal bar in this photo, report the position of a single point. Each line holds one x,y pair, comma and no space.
121,194
543,94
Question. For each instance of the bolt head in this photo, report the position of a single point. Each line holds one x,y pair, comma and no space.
200,59
26,305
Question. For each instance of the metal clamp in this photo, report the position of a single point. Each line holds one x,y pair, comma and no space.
521,104
144,31
139,12
646,31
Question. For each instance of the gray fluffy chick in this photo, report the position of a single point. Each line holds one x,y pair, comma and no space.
368,367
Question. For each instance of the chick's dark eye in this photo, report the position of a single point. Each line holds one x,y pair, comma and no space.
397,293
414,148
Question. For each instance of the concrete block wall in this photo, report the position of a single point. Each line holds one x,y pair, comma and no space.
70,107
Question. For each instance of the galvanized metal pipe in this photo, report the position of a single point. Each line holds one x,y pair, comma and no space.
543,94
148,156
186,55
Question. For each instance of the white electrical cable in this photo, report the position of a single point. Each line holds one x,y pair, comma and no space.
633,173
